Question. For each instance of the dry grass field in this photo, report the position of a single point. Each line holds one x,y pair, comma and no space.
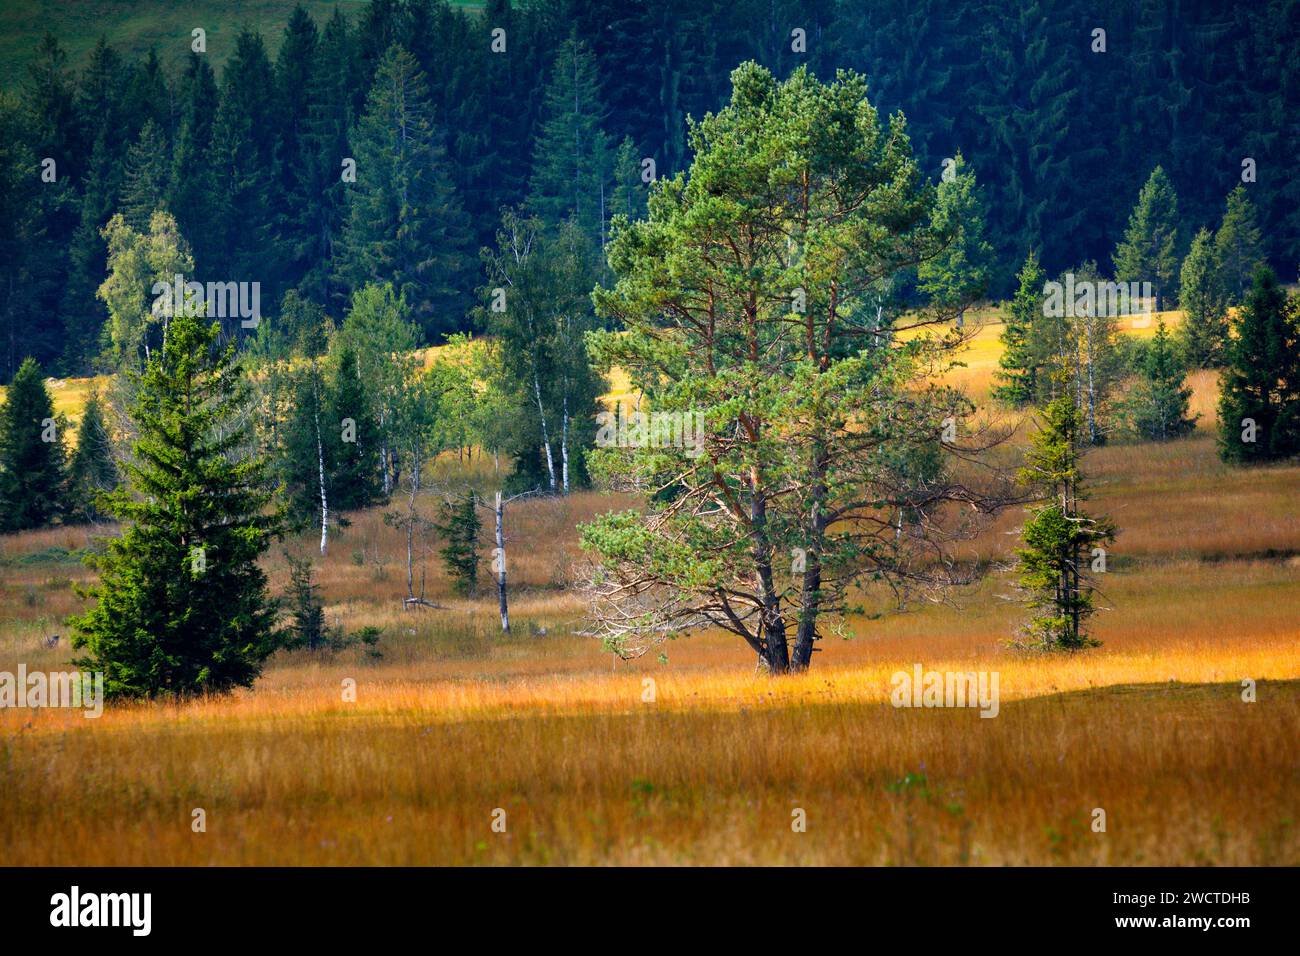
455,721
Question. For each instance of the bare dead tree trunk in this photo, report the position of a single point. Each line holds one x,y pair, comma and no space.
410,547
412,520
499,512
320,465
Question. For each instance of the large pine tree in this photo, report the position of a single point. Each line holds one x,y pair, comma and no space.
804,420
181,606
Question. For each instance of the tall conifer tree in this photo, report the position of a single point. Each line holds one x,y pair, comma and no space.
1259,400
31,453
181,606
406,225
1059,537
1149,250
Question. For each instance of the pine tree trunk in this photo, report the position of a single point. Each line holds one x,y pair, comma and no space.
810,592
777,652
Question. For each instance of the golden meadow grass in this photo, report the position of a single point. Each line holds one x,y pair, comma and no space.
455,720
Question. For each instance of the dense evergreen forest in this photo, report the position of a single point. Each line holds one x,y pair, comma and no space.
575,105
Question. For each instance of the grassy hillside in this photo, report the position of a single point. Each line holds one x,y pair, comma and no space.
133,26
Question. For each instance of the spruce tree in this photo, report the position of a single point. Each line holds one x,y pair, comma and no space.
20,227
101,105
246,202
405,223
961,270
1058,538
1025,115
181,606
573,158
548,275
49,98
147,96
493,146
294,87
1149,250
1238,245
630,192
194,198
145,188
82,313
103,111
92,471
1017,374
49,129
31,453
325,147
458,524
1259,401
1158,407
354,434
1204,332
307,627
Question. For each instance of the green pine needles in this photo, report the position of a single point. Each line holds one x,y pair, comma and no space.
181,607
1061,542
458,524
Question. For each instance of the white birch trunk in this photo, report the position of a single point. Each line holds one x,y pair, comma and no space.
546,438
564,444
501,567
324,503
